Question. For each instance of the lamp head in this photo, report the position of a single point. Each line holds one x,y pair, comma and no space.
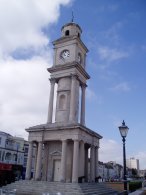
123,129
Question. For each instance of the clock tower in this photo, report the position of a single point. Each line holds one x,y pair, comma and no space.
62,147
68,71
69,48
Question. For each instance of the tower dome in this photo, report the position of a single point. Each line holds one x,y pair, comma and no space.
71,29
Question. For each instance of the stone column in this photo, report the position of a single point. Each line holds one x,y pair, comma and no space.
29,161
73,99
92,164
86,163
82,159
75,168
50,108
35,159
96,161
39,160
83,87
45,162
63,161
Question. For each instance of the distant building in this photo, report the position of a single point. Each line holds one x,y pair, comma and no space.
142,173
110,171
133,163
14,154
11,149
11,158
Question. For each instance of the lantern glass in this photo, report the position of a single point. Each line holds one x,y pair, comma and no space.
123,130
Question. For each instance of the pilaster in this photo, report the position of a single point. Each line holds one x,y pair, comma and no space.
73,99
83,87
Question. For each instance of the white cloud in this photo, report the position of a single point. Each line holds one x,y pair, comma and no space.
110,150
122,87
21,22
90,94
113,7
24,84
24,94
110,54
112,34
108,8
143,47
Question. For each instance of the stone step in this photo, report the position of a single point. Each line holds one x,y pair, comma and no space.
54,188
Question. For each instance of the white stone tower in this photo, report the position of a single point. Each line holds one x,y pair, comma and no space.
69,73
63,146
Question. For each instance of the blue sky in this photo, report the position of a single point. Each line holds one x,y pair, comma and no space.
114,32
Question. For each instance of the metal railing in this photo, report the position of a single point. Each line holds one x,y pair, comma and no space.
143,184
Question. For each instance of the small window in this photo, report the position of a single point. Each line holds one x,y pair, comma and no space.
67,33
26,150
8,156
62,102
79,35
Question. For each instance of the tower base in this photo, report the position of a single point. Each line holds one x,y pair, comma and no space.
57,188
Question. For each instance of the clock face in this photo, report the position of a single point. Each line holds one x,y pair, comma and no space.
65,54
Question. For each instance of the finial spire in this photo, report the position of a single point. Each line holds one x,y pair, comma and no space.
72,19
123,123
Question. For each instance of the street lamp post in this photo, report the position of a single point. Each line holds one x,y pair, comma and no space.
123,131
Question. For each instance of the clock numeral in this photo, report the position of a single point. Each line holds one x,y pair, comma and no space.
65,54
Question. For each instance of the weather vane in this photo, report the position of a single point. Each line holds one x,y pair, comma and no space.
72,19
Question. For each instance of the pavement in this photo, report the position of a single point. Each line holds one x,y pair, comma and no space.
138,192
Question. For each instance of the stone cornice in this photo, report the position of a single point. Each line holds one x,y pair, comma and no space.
69,66
60,126
70,38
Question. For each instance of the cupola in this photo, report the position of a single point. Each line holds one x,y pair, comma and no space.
71,29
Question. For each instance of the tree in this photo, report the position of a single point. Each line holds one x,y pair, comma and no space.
134,172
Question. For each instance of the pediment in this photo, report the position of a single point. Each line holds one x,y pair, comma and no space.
56,153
